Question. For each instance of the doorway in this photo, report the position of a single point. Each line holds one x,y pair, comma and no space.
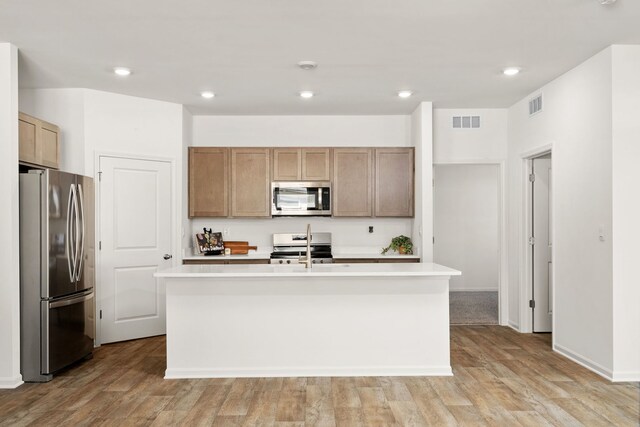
135,240
541,242
467,212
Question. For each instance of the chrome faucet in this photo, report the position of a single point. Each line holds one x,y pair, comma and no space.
307,259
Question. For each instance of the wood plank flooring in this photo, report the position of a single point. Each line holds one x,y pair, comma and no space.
501,378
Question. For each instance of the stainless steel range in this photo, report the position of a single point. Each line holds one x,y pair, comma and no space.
288,248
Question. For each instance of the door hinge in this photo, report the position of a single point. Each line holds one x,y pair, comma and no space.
101,314
532,303
434,239
99,176
532,241
100,245
532,177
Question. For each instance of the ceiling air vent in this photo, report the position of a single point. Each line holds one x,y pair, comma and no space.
535,105
466,122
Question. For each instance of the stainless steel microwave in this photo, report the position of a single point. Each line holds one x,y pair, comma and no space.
294,198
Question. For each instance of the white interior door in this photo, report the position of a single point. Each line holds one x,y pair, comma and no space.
542,245
135,235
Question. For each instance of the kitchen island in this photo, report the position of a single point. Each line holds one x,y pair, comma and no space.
331,320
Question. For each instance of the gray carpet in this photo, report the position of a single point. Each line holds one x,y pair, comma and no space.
473,308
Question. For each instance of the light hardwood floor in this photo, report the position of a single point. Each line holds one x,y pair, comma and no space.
501,378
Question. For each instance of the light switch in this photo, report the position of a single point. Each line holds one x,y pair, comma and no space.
601,233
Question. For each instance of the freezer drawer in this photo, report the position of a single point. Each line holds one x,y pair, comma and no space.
67,331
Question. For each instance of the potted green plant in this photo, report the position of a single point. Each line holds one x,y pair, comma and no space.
401,244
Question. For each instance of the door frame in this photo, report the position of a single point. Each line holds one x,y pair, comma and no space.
175,213
503,265
526,251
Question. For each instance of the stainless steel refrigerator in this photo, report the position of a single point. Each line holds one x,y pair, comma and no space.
56,271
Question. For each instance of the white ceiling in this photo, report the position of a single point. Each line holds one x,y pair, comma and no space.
448,51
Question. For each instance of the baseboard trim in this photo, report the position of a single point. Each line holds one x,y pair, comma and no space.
473,290
413,371
513,326
14,382
584,361
626,376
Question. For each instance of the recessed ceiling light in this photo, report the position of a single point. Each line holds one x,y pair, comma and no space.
405,93
306,94
510,71
122,71
308,65
207,94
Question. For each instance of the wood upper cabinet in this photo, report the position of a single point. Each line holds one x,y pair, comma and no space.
208,182
250,182
286,164
316,164
394,187
306,164
39,142
352,182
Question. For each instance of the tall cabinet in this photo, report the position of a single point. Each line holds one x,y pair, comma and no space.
352,182
208,182
250,182
394,182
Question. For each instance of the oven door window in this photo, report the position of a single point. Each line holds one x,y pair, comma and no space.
296,199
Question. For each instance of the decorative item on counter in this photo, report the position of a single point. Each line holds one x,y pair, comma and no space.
227,251
239,248
210,243
401,244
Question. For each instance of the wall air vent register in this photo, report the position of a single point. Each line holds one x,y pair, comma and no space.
535,105
466,122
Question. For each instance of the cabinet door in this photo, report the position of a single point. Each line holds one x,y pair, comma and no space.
49,146
250,182
27,130
316,164
394,182
286,164
352,182
208,182
39,142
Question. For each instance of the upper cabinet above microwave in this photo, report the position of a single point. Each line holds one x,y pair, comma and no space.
301,164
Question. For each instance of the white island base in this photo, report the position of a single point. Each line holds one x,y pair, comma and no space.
340,320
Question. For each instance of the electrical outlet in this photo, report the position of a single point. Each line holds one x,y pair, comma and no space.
371,229
225,232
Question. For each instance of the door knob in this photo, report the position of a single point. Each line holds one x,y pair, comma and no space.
167,256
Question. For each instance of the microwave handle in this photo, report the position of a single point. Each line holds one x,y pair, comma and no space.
320,198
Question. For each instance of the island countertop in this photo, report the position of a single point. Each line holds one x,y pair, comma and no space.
326,270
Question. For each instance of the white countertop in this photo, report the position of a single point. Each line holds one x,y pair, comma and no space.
344,255
337,253
250,255
326,270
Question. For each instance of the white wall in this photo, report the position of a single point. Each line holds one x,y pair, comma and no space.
185,223
489,142
9,220
65,108
576,119
350,234
301,131
465,218
626,212
422,139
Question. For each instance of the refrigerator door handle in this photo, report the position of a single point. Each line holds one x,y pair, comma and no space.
80,215
65,302
76,236
69,243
